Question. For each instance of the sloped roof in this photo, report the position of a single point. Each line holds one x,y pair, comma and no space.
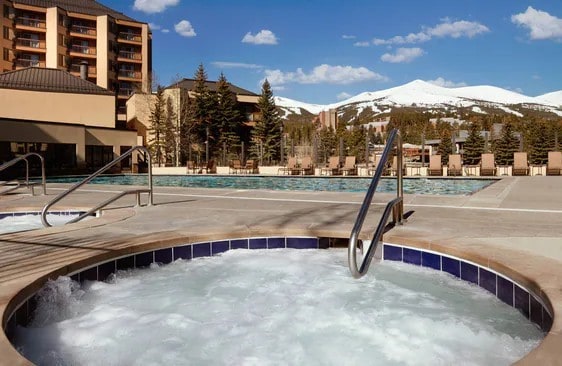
189,84
90,7
49,80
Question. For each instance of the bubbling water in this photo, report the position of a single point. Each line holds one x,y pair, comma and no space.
274,307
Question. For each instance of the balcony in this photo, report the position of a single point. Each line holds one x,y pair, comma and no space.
129,37
23,62
82,30
130,74
125,92
31,23
28,44
75,69
130,56
83,50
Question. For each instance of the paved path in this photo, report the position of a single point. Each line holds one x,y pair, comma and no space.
513,226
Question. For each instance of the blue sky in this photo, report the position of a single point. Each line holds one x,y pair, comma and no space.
322,51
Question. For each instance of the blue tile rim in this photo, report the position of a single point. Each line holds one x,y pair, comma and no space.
395,252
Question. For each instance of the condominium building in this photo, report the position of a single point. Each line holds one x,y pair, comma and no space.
65,34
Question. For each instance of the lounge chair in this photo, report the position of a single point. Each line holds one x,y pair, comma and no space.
349,167
520,163
435,166
454,168
554,164
190,167
235,166
251,167
210,168
333,167
290,167
487,164
306,167
393,170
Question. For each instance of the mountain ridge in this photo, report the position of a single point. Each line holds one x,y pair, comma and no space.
422,94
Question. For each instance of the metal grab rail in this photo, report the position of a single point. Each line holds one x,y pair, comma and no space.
24,158
396,206
110,200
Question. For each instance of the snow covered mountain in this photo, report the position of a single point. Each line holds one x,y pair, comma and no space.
423,95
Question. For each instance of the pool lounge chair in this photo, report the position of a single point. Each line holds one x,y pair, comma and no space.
209,168
435,166
554,164
235,167
290,167
393,170
333,167
487,164
306,167
454,168
251,167
349,168
373,168
520,164
190,168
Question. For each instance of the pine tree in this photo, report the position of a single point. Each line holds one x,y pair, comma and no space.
266,136
505,146
228,118
539,142
158,127
203,110
445,147
474,145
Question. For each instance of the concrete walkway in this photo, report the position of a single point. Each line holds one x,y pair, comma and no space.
513,226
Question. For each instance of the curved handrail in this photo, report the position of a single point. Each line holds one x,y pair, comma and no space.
94,175
396,205
24,158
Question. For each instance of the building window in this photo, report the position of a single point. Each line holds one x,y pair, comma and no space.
6,11
6,32
62,62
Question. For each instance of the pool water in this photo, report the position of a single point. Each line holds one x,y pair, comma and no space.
274,307
440,186
32,220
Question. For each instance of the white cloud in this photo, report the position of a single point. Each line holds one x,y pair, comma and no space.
185,29
264,36
402,55
236,65
343,96
447,28
165,31
347,36
541,24
154,26
324,74
536,77
446,83
361,44
154,6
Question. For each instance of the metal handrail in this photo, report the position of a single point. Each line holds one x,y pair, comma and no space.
24,158
110,200
396,206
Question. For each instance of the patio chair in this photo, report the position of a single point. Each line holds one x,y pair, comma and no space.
393,170
251,167
349,167
306,167
435,166
190,168
290,167
554,164
487,164
373,167
235,167
333,167
209,168
454,168
520,164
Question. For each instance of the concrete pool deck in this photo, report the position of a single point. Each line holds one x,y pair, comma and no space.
514,226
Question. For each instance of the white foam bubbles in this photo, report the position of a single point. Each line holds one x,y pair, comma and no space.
273,307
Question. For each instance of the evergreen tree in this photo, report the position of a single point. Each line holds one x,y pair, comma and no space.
157,142
539,142
266,136
228,118
474,145
445,147
170,136
505,146
327,143
203,112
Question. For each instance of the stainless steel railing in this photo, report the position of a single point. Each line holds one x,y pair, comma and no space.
26,183
395,206
98,207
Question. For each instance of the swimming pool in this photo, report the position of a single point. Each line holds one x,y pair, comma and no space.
439,186
20,221
280,306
